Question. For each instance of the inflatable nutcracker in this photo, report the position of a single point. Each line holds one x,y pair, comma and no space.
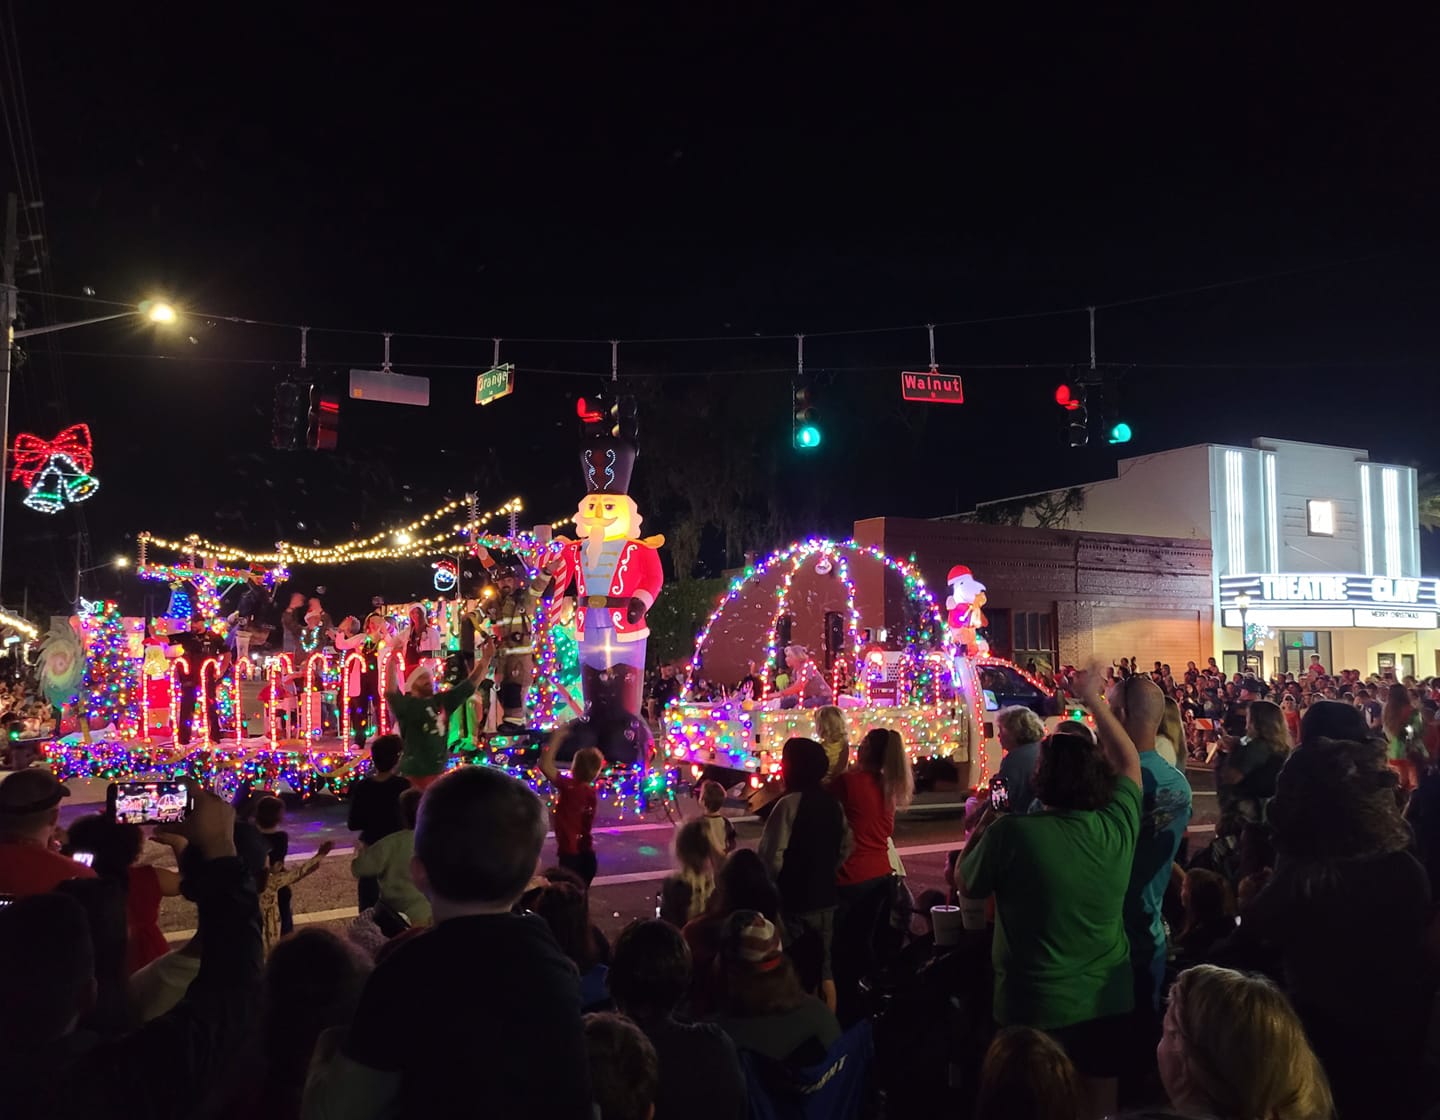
617,577
965,617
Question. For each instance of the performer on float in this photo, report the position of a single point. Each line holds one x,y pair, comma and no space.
418,641
511,613
251,623
422,714
363,684
617,576
965,618
807,686
198,645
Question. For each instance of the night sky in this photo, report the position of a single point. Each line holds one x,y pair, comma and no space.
619,173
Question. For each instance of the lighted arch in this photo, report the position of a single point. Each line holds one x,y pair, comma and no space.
795,555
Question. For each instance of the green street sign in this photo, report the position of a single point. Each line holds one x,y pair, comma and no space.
494,384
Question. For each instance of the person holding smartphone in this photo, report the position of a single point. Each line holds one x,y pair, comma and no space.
61,1073
29,813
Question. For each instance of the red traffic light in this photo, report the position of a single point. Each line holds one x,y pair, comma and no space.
1068,397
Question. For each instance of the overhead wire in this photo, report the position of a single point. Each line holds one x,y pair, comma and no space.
675,340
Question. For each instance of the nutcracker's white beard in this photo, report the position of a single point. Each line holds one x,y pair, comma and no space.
597,543
593,530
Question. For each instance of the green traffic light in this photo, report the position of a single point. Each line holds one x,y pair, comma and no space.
807,436
1119,433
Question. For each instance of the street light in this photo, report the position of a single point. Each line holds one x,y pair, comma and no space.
118,562
153,310
1242,601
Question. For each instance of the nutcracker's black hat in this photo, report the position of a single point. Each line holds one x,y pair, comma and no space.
607,464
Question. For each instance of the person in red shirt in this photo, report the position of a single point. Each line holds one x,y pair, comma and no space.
869,793
1316,669
116,850
572,814
29,812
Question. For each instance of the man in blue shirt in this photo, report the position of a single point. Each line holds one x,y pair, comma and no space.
1164,815
1020,731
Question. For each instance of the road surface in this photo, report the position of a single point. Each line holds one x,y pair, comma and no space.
633,853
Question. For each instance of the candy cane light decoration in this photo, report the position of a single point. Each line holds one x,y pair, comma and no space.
203,699
358,660
178,667
281,669
307,723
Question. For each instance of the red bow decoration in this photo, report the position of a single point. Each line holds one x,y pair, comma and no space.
32,453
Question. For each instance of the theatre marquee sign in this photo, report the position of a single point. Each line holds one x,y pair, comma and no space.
1327,599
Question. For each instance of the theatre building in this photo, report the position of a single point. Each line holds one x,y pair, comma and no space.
1306,550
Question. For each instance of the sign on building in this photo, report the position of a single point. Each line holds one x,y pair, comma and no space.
1327,599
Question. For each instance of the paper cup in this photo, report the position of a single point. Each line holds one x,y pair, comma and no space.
947,922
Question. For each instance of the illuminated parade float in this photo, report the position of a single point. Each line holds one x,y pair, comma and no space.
798,630
283,717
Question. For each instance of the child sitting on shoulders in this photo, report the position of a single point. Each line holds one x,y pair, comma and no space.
685,894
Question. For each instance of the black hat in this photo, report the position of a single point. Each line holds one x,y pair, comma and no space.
29,791
607,464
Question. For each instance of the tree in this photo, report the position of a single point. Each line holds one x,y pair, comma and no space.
1428,488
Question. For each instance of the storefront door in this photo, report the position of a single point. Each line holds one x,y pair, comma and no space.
1297,646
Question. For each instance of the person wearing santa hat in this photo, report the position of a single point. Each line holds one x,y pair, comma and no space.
422,715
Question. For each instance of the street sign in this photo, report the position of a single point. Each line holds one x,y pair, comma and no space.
389,388
933,387
494,384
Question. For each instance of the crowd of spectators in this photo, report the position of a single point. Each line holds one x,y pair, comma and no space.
1282,970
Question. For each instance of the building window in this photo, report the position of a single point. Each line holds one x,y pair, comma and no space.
1032,639
1320,517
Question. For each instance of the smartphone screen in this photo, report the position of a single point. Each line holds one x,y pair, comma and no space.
86,858
999,795
149,802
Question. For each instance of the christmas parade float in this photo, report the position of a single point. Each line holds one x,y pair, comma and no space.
803,629
798,633
283,721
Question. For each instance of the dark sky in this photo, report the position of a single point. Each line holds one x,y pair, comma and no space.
623,173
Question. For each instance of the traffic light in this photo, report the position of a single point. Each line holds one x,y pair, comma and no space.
625,419
1073,399
805,430
287,429
591,411
323,432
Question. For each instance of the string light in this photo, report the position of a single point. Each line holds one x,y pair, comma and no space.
56,472
110,671
15,622
727,733
422,537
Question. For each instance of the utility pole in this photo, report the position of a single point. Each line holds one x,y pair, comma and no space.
7,321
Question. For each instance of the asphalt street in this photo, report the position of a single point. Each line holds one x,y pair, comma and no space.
633,853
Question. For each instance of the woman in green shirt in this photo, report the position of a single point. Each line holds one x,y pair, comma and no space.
1059,877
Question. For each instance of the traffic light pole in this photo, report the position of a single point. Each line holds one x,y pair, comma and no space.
7,312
